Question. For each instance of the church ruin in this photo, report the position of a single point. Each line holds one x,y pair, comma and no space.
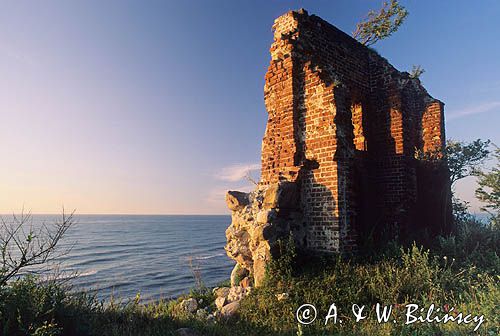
352,150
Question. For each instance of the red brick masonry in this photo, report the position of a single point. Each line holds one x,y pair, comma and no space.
352,131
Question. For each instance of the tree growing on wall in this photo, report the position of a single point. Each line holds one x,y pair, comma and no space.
382,24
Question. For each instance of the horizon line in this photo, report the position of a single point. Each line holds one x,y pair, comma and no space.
118,214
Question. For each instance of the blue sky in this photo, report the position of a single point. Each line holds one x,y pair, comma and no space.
157,106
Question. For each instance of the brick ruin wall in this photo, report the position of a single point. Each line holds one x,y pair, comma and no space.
345,126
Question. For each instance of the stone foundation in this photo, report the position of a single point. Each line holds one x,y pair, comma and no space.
259,220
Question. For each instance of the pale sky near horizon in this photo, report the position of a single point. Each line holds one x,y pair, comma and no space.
156,107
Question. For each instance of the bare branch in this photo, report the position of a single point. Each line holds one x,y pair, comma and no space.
23,247
249,178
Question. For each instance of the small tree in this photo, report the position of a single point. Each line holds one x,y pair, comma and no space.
488,191
22,246
382,24
464,158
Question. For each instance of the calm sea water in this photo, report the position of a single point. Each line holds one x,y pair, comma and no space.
125,255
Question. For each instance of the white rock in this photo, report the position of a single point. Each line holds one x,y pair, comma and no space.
236,293
220,302
230,309
222,292
189,305
282,296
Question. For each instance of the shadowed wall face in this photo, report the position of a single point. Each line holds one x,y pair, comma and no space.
347,127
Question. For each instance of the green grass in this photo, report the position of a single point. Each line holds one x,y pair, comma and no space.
461,272
413,277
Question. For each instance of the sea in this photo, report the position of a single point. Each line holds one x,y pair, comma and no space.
121,256
155,256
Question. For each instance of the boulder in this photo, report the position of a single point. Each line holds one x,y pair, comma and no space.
189,305
220,302
236,293
222,292
231,309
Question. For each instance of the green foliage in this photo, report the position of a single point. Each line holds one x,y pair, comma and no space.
28,307
464,158
238,276
25,306
474,244
415,275
489,189
382,24
461,213
48,329
280,269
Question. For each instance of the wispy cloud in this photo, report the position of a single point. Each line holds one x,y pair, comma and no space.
476,109
236,172
234,177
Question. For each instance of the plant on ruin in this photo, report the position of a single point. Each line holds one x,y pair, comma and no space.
416,71
382,24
